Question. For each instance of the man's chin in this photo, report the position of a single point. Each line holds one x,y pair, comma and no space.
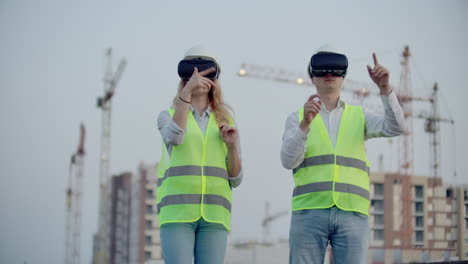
331,87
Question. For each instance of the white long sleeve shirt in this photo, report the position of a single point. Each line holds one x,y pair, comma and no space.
388,125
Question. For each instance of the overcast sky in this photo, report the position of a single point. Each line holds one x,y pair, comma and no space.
51,68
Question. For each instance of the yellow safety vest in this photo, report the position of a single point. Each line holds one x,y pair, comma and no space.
193,181
334,176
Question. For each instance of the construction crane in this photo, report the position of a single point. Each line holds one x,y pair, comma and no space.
358,88
432,126
111,80
73,203
432,122
405,144
406,156
267,221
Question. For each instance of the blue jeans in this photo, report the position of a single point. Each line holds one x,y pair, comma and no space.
201,241
312,230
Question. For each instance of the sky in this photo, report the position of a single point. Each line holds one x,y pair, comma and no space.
52,64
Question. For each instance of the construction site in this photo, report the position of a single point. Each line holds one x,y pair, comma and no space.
413,218
84,83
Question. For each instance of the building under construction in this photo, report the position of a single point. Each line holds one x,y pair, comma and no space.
120,218
147,234
417,218
412,219
134,227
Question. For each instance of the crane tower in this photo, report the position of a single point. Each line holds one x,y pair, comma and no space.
105,104
73,203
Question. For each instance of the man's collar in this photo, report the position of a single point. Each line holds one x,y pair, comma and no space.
339,104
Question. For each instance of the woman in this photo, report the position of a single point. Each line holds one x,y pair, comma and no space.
200,165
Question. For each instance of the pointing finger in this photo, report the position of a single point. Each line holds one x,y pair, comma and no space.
207,71
375,59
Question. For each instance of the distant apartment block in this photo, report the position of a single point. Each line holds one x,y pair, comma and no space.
412,219
120,213
134,228
416,218
152,245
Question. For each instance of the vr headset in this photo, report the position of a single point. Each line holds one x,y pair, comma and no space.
186,68
322,64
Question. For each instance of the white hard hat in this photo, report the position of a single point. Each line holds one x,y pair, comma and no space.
326,48
329,48
200,51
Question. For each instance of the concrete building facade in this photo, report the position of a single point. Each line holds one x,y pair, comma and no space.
150,228
134,227
120,213
416,218
412,219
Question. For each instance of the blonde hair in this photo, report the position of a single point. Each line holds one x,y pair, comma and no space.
221,110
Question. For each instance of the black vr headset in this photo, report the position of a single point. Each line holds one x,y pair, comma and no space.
322,64
186,68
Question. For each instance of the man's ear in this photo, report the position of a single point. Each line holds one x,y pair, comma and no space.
312,79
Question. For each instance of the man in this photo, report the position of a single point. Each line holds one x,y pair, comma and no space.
323,143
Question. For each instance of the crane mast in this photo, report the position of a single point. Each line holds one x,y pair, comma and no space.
73,203
105,104
406,166
432,126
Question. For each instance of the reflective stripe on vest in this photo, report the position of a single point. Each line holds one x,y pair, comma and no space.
330,159
328,186
193,179
194,199
194,171
334,176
